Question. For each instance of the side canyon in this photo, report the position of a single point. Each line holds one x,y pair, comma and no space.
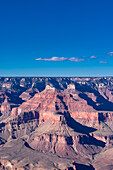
56,123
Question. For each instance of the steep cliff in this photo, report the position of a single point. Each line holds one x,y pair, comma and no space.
70,119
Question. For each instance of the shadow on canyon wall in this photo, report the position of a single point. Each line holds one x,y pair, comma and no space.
77,127
83,167
104,104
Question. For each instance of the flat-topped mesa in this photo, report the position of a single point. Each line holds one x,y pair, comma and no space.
71,87
25,95
49,87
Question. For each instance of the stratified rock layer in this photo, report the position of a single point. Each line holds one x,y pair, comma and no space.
56,123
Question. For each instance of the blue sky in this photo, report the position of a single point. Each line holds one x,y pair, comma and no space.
56,38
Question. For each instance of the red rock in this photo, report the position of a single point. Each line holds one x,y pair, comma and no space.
5,107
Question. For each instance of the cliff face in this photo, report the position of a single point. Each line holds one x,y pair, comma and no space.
70,118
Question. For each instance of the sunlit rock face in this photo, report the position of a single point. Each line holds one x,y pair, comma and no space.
65,122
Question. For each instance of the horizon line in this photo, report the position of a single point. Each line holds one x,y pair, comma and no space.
56,77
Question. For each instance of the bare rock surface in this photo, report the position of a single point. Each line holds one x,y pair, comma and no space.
56,123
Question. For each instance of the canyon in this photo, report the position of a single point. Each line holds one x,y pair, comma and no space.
56,123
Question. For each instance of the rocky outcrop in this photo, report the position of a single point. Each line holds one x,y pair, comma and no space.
5,106
65,121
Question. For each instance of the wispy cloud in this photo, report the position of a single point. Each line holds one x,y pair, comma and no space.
93,56
103,62
110,53
60,59
75,59
52,59
39,59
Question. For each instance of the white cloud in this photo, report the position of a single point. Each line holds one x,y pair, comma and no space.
93,56
53,59
57,59
110,53
60,59
103,62
75,59
39,59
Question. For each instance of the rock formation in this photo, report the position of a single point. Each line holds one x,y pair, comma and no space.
56,123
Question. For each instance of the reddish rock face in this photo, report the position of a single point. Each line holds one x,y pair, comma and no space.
51,101
5,107
70,118
14,112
